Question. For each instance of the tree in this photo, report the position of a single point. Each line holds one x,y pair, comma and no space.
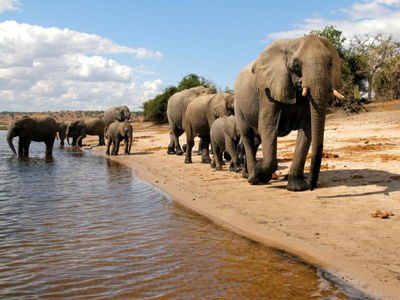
155,109
193,80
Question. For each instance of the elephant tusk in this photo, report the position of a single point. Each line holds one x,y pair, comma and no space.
337,94
305,90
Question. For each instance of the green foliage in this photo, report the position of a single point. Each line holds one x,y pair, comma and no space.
155,109
193,80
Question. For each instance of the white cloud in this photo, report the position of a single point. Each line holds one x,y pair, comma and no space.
9,5
369,16
51,69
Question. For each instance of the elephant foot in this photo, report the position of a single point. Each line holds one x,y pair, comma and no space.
245,174
212,164
107,153
253,180
223,163
179,152
297,184
219,168
261,175
188,161
171,151
206,160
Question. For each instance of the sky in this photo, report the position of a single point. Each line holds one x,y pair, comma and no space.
95,54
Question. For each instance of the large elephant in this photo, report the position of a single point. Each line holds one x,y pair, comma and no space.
117,132
200,115
117,113
287,88
40,128
225,136
80,128
176,111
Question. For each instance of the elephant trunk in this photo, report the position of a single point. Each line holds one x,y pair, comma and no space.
10,137
67,137
129,142
319,97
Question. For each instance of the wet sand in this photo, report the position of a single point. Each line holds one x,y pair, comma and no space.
332,226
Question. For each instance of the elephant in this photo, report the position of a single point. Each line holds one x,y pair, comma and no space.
176,111
80,128
39,128
117,113
62,131
225,136
287,88
117,132
200,115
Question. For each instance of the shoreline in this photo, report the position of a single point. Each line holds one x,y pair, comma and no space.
330,227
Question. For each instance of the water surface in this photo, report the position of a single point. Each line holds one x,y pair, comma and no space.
78,226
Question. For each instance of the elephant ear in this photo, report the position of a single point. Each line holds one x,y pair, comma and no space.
218,105
336,71
272,75
28,126
230,128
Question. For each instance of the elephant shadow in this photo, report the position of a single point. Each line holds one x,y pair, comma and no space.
360,177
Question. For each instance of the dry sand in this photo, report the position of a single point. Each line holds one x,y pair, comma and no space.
332,226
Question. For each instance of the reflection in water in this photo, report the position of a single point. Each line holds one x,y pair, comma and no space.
82,227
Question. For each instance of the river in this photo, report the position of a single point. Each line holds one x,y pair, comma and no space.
79,226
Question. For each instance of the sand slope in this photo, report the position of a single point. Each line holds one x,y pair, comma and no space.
331,226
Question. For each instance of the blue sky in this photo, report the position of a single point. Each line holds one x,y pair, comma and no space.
91,55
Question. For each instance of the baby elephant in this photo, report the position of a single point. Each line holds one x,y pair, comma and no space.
225,136
117,132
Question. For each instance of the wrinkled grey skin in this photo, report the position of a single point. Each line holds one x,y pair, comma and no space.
225,136
81,128
41,128
117,113
269,104
176,112
200,115
117,132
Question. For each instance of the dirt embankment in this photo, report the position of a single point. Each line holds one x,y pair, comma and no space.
331,226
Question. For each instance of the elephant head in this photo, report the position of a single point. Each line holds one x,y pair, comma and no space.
209,90
123,114
73,129
222,104
23,128
304,69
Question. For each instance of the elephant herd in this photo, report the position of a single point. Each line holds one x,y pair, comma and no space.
44,128
288,87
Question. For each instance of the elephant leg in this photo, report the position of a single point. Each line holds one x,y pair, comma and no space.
231,149
20,146
171,146
296,180
176,133
73,141
117,146
199,150
216,163
247,135
126,145
49,146
205,155
101,140
108,146
269,133
189,147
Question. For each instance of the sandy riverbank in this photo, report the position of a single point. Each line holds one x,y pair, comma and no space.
332,226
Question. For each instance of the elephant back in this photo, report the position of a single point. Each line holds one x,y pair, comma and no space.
94,126
46,128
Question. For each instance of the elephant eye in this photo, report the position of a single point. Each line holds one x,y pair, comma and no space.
296,65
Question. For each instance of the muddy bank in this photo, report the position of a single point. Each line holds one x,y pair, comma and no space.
332,226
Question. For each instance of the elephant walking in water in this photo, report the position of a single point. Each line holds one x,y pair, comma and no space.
287,88
176,112
200,115
80,128
40,128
